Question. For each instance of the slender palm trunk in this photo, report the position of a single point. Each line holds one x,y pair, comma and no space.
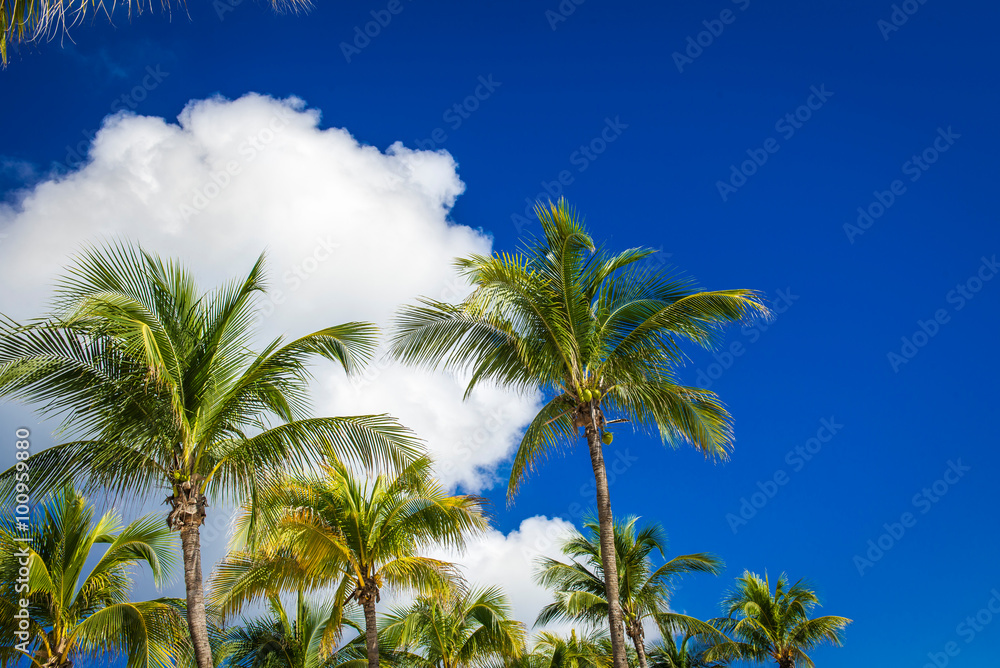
371,630
608,561
197,625
638,641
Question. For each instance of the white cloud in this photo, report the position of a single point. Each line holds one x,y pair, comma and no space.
466,438
351,232
509,561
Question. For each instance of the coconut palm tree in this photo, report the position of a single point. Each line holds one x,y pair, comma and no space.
357,534
455,628
599,333
766,625
680,651
160,385
78,615
551,650
305,640
27,20
644,591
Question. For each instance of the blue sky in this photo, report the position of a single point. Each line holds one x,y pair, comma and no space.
820,111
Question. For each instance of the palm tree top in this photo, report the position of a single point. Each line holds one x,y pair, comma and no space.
159,381
455,628
79,613
587,326
579,587
774,624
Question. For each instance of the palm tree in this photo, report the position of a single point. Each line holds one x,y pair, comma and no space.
279,640
550,650
766,625
27,20
679,651
359,535
73,614
161,383
456,628
644,592
598,333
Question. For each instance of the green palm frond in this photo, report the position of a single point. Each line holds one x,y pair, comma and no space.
160,383
336,529
78,614
564,315
773,624
24,21
579,587
460,627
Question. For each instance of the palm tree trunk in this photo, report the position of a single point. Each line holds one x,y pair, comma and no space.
638,637
371,630
197,625
608,561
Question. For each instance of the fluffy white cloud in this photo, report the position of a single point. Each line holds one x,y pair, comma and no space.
509,561
351,232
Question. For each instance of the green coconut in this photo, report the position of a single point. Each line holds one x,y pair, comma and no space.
607,437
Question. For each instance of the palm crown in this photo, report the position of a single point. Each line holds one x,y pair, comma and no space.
599,333
357,534
283,640
457,628
580,322
773,625
163,384
644,591
76,614
551,650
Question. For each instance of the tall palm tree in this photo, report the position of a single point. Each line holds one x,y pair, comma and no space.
74,614
551,650
599,333
644,591
455,628
773,625
160,383
27,20
360,535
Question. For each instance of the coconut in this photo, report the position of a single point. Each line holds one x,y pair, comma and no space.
607,437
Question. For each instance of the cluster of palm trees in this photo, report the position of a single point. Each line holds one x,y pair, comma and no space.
159,388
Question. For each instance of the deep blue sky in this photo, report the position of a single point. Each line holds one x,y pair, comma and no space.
824,358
